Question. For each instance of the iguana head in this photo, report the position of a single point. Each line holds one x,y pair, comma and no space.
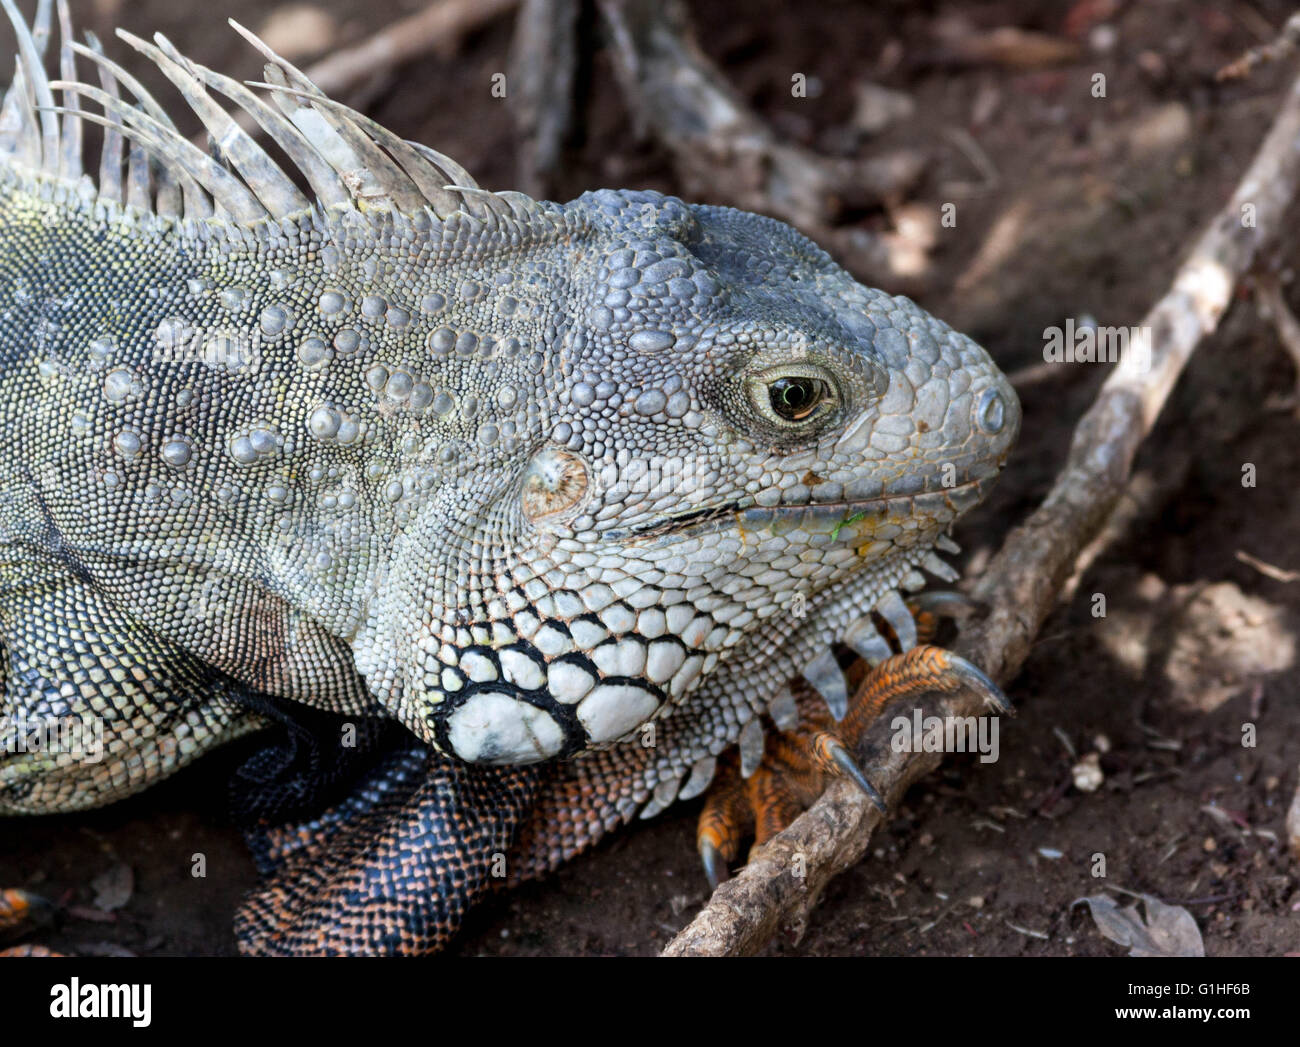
737,444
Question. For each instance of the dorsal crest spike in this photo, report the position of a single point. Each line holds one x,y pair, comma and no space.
349,161
268,183
427,178
70,146
30,54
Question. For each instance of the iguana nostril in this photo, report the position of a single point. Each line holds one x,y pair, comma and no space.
991,411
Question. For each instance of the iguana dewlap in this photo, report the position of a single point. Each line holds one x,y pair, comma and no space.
573,493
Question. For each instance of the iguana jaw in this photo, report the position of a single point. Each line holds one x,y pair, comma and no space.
819,517
858,514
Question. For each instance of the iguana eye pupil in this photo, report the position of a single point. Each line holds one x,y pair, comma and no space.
795,399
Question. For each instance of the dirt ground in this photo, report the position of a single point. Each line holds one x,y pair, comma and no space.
1069,206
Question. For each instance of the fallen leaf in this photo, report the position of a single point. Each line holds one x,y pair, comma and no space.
1168,930
113,887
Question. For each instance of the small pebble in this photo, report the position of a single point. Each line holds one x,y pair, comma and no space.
1087,773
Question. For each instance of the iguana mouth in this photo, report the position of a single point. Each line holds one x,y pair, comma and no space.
685,522
818,517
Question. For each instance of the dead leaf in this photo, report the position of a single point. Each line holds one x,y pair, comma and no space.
1169,930
113,888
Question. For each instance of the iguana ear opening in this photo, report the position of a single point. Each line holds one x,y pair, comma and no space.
555,485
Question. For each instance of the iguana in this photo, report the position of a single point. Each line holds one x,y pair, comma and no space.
517,520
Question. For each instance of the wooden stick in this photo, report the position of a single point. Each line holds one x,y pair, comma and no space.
544,63
723,152
781,884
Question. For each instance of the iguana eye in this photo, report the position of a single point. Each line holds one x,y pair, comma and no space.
795,399
793,395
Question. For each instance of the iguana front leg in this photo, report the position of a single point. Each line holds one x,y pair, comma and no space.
391,870
394,868
798,764
94,705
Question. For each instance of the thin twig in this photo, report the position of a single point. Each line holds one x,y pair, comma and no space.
1268,292
1278,574
1026,931
1284,45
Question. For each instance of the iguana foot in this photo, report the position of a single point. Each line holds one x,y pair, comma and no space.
799,763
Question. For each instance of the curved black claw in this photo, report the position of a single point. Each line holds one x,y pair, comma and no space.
943,603
978,681
843,760
715,869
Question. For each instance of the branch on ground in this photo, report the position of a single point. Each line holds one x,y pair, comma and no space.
544,60
723,151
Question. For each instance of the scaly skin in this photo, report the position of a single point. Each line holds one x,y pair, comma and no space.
583,486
